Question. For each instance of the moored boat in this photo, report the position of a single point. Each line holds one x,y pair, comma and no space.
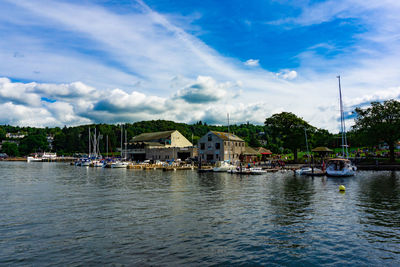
223,166
119,164
340,168
34,158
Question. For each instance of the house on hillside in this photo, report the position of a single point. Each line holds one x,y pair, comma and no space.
166,145
15,135
220,146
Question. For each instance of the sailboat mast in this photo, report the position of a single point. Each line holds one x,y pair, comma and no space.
89,144
122,131
126,143
229,141
342,123
305,133
95,143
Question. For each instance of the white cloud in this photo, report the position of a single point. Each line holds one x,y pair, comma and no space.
204,90
252,62
17,93
141,52
287,74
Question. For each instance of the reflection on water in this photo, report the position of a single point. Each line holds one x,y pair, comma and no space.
380,203
56,214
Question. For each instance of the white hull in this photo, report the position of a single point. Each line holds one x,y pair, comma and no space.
303,171
341,168
33,159
98,164
223,166
340,173
85,164
253,171
119,164
257,171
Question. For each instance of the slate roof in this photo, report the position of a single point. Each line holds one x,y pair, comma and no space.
250,151
227,136
152,136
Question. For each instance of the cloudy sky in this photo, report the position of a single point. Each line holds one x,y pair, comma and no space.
79,61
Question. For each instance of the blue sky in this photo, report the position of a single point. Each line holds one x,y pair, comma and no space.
76,62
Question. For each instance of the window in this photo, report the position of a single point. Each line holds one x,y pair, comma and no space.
210,137
202,146
217,146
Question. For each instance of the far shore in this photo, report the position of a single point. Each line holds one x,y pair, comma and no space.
367,167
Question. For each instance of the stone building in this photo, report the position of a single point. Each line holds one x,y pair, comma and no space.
219,146
167,145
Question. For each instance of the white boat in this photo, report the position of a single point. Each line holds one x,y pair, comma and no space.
35,158
98,163
223,166
119,164
303,171
257,171
341,167
49,156
86,162
252,171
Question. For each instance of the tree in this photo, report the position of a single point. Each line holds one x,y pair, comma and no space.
289,129
33,143
380,122
2,134
10,149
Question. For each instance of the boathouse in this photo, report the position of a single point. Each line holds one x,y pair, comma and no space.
166,145
220,146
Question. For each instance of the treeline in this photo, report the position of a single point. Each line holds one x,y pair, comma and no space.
70,140
281,133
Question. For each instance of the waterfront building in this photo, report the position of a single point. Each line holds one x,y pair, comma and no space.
166,145
220,146
249,155
265,153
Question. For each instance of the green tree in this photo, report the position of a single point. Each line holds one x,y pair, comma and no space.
290,129
380,122
2,134
32,143
10,149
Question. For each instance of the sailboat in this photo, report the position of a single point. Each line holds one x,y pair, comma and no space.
86,161
97,161
225,166
121,163
341,167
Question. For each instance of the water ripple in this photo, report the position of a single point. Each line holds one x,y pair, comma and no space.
55,214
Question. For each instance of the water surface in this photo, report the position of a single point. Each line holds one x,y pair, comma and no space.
56,214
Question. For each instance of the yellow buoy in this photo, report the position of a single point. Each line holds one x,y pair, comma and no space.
342,188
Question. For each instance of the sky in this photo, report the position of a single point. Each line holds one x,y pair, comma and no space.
79,62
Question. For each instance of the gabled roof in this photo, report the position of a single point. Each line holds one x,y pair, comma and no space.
263,151
321,149
152,136
227,136
250,151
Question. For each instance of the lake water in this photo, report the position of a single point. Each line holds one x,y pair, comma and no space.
57,214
